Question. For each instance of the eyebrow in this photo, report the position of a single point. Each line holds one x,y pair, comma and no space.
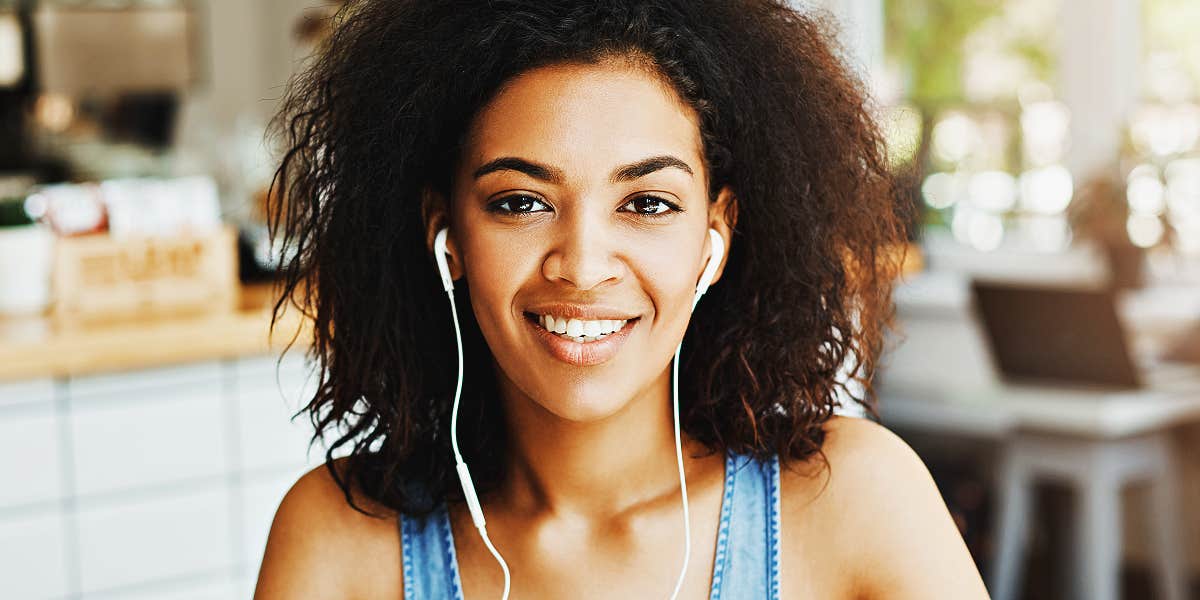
550,174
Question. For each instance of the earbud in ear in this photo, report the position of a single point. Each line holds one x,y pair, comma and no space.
439,254
714,261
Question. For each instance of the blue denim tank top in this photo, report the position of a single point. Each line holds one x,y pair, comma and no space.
746,565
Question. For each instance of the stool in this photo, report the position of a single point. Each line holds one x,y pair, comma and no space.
1096,469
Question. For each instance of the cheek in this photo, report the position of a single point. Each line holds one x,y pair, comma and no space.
666,273
495,270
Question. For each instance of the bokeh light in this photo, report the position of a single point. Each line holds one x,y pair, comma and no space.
978,229
955,136
943,190
902,133
1144,231
993,191
1046,190
1045,126
1164,130
1145,191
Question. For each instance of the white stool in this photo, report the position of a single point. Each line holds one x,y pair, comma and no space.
1097,469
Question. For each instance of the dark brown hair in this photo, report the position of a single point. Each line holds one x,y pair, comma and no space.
793,328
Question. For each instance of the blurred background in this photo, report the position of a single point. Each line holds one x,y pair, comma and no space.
1045,363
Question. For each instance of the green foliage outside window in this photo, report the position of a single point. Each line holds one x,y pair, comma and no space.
932,41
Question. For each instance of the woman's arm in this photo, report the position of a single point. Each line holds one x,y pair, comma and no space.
888,526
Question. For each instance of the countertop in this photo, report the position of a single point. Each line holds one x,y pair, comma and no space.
37,347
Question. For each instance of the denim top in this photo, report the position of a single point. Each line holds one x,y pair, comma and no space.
746,566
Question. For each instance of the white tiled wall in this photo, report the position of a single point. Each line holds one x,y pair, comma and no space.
269,406
159,483
38,391
173,536
33,554
29,456
165,436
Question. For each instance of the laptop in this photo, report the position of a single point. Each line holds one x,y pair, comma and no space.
1055,335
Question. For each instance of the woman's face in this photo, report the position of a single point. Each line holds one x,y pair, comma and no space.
581,196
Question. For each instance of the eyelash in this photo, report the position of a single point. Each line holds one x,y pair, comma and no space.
495,207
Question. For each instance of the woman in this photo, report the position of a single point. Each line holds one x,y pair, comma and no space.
577,155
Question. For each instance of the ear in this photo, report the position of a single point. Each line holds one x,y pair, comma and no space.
435,214
722,216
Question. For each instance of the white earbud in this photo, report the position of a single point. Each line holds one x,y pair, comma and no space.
714,261
439,254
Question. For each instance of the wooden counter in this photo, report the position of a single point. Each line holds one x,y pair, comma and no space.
37,347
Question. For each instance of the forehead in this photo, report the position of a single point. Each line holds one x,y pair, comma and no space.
585,118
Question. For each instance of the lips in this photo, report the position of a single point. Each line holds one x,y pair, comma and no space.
580,354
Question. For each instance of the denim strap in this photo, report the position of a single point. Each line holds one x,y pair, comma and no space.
427,548
746,566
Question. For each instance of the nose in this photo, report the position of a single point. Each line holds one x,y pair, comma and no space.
583,254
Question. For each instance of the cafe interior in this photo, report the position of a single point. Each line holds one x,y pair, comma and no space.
1044,362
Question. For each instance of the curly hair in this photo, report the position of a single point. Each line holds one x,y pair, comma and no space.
794,327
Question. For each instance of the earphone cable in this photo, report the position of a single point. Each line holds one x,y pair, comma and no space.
461,465
687,522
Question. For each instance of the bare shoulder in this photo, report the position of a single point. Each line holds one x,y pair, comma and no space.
320,547
873,518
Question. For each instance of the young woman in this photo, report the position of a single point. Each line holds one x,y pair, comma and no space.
577,155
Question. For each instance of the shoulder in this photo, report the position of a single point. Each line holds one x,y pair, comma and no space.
875,515
321,547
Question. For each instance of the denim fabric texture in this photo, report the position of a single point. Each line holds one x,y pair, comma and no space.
746,565
427,549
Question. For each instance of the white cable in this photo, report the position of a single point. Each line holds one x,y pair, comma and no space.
687,522
464,476
458,386
503,565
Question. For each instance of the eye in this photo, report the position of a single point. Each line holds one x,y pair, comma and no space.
652,206
517,204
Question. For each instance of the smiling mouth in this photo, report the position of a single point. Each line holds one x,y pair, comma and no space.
563,328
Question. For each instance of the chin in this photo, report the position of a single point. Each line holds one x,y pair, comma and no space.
586,404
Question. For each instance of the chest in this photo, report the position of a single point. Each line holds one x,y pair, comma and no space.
600,573
642,560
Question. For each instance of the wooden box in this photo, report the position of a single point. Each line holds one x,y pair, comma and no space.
102,278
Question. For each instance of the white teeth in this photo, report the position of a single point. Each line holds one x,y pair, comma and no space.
591,328
574,327
581,330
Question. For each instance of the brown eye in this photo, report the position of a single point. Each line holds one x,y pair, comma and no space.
651,206
517,204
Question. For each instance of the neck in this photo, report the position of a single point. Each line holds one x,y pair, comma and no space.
601,467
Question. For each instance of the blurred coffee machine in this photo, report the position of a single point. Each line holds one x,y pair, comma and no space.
120,65
14,88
